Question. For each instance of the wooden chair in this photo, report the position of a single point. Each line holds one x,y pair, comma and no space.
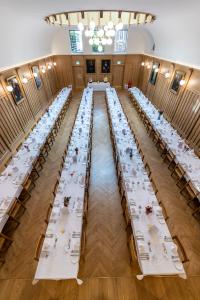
55,188
8,161
28,185
169,158
5,242
15,212
148,170
39,247
164,211
179,174
190,193
153,185
196,213
127,216
48,214
181,249
156,137
85,206
83,240
18,147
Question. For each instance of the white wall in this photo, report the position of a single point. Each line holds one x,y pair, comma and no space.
139,41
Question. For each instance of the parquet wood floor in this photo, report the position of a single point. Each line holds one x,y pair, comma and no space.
106,271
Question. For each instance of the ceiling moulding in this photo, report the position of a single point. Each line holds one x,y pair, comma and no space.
100,17
25,62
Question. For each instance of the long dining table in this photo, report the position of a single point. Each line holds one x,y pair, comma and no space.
61,249
156,252
184,155
21,165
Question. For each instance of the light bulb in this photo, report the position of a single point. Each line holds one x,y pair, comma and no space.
110,24
109,41
43,71
35,74
112,32
100,33
80,26
49,67
156,70
87,32
55,64
100,48
91,42
25,80
167,75
142,64
182,82
9,88
96,41
103,41
148,66
92,24
154,66
105,27
91,33
119,26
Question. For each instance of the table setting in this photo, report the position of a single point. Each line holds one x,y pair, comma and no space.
21,165
157,255
62,241
185,156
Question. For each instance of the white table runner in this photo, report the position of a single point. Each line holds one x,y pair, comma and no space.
59,258
152,237
13,176
184,155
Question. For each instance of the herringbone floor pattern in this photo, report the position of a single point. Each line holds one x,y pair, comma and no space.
106,252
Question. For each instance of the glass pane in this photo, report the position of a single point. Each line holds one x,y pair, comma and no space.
76,41
121,38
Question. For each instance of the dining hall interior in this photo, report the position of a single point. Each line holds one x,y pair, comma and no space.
99,150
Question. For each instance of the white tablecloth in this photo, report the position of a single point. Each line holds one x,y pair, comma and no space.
184,155
63,235
101,86
13,176
151,233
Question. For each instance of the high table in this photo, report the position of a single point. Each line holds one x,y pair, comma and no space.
99,86
21,165
60,254
157,254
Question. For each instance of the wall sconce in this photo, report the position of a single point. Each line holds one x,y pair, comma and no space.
77,62
9,88
55,64
43,69
119,62
142,64
182,82
148,66
49,67
167,75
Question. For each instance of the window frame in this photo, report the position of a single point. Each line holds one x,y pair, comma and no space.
80,32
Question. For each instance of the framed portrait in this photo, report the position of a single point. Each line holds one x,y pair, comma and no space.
38,80
154,74
17,93
178,76
105,66
90,65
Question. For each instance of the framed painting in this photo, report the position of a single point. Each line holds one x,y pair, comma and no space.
37,78
105,66
16,93
154,74
175,86
90,65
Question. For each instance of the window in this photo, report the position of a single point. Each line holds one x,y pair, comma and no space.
76,41
121,38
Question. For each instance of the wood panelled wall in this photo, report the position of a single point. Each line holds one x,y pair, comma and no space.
120,73
16,120
181,109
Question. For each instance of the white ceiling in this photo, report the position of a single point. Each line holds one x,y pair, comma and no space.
25,36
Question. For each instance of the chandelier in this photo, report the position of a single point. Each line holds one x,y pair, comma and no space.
100,27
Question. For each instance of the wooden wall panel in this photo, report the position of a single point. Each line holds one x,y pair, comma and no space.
16,120
181,109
